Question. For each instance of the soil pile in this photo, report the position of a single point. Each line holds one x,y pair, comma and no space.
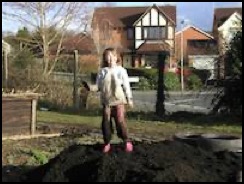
168,161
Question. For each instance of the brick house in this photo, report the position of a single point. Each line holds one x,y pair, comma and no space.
83,43
139,33
202,55
189,33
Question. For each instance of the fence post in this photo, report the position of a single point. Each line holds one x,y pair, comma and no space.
5,54
33,116
76,82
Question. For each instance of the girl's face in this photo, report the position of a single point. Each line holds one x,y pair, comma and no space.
112,59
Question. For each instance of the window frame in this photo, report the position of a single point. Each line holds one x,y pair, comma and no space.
150,32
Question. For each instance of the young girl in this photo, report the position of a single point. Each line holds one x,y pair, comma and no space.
113,84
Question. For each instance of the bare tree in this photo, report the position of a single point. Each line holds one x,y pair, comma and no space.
41,16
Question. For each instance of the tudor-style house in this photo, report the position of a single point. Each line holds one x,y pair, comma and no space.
139,33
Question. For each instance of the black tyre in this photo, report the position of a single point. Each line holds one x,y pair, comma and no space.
188,138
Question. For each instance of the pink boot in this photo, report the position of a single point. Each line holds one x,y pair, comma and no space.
106,148
128,147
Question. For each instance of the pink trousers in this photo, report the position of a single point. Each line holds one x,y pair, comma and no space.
118,114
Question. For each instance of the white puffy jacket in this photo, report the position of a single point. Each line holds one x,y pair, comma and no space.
114,85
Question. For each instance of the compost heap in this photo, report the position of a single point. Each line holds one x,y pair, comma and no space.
168,161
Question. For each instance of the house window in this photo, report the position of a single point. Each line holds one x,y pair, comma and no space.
154,33
130,33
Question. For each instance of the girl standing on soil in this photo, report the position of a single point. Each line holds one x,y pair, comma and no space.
113,84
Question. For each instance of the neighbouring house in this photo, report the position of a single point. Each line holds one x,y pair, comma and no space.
202,55
227,22
182,37
139,33
83,43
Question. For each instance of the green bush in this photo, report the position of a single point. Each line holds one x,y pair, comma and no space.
39,156
202,74
24,71
171,81
144,84
194,82
150,74
24,59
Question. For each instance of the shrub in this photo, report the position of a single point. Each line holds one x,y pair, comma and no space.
202,74
171,81
150,74
59,95
144,84
39,156
23,71
23,59
193,82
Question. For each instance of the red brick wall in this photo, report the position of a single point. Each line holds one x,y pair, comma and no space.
190,33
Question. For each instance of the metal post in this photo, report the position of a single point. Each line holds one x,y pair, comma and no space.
182,57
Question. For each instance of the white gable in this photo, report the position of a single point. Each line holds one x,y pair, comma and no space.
232,21
138,33
155,20
154,17
162,20
146,20
230,27
151,17
138,23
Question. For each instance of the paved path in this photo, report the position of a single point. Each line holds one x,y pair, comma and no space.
175,101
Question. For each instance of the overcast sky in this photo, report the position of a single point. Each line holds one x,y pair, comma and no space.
199,14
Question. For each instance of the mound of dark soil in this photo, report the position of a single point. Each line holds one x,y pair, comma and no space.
166,161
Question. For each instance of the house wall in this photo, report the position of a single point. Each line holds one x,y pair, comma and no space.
227,30
127,60
154,18
117,37
204,62
188,34
226,33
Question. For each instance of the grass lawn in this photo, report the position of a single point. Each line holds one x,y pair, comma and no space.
148,123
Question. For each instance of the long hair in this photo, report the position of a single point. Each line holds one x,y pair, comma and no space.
106,53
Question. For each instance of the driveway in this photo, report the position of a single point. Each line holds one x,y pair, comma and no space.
200,101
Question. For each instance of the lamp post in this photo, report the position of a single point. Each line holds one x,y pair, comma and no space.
182,57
